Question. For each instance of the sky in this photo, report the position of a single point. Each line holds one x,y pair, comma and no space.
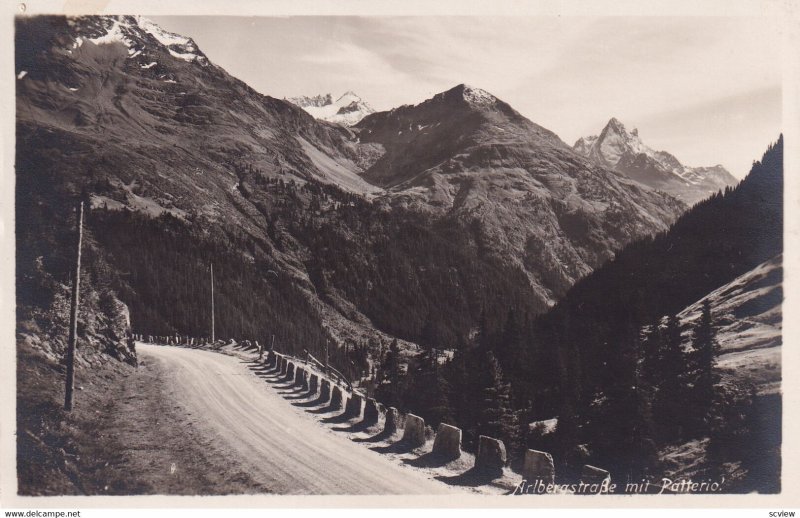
706,89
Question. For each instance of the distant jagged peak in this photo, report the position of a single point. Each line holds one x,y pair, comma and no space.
314,100
624,151
347,98
348,109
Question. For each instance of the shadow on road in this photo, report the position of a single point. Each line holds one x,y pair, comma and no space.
336,419
429,460
379,437
304,394
397,447
360,426
294,390
317,402
473,477
324,410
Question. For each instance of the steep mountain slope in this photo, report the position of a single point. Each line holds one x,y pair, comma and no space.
131,86
625,152
165,147
347,110
747,317
467,155
711,245
611,396
415,230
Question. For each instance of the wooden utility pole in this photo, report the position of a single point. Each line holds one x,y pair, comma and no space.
73,318
327,369
212,303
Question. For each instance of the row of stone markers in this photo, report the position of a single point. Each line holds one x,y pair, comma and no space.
332,394
538,469
170,339
190,341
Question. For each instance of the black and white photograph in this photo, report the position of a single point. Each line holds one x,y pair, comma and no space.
446,255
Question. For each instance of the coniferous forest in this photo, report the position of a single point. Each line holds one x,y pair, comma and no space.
607,360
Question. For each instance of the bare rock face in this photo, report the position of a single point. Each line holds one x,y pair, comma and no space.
414,431
336,398
448,441
491,454
392,416
625,152
371,411
353,407
325,391
313,384
594,475
538,465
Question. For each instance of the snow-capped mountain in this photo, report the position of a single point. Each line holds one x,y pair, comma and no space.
347,110
139,34
625,152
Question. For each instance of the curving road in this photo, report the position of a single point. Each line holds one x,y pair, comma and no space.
280,445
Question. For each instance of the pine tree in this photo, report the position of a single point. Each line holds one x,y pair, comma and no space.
461,381
430,390
391,370
567,454
706,350
621,418
669,378
497,417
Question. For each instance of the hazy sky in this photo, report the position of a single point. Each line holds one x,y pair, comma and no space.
707,89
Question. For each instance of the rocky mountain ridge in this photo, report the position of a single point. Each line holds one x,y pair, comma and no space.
347,110
625,152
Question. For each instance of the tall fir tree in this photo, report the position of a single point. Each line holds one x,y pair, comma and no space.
669,378
497,417
706,349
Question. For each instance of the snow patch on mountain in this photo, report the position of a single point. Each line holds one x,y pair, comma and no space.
164,37
347,110
114,35
138,34
477,96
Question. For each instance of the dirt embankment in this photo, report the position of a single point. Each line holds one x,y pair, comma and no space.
124,436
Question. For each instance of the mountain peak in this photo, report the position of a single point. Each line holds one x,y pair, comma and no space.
347,110
613,121
616,126
470,94
625,152
477,95
349,96
138,34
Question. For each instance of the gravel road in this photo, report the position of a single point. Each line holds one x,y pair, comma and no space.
280,445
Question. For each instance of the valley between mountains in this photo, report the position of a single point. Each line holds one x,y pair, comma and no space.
452,258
